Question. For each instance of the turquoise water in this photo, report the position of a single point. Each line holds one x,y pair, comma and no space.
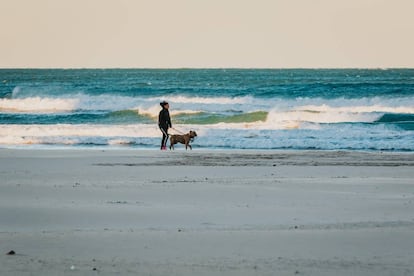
331,109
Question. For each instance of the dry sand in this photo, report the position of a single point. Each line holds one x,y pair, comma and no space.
94,212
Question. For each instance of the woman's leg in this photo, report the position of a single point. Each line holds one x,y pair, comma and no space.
164,138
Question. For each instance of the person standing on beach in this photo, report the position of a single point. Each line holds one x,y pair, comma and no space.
164,122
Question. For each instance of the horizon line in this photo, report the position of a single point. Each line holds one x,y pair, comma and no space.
206,68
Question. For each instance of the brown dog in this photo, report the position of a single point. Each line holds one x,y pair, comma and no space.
183,139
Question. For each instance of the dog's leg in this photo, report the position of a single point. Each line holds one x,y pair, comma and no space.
172,142
187,144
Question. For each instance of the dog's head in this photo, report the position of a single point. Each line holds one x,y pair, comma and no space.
192,134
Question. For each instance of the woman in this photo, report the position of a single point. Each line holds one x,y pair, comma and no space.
164,122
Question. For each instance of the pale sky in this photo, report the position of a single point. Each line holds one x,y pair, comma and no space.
206,33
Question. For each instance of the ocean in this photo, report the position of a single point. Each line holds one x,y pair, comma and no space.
266,109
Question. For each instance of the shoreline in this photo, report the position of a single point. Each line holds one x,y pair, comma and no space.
220,157
147,212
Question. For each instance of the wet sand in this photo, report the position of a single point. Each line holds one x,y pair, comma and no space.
126,212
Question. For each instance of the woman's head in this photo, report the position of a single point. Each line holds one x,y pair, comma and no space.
164,104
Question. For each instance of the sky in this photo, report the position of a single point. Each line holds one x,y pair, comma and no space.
206,33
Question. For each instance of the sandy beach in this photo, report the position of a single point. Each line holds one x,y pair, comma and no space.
145,212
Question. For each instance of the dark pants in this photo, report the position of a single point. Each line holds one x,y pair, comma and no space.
164,136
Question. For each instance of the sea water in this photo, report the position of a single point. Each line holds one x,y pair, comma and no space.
326,109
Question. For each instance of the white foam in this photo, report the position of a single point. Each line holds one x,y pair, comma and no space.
184,104
252,135
151,111
312,116
154,110
37,104
358,109
212,100
147,106
138,130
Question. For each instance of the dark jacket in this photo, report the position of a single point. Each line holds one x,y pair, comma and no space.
164,120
